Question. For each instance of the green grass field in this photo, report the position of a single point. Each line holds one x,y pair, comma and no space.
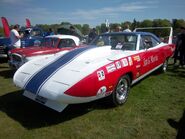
154,110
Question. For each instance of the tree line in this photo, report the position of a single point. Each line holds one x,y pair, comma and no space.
85,28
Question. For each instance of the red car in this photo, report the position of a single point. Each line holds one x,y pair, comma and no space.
51,45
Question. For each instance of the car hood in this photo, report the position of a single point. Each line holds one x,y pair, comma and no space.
34,51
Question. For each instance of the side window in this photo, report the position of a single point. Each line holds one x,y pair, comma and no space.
66,43
154,42
54,42
146,41
36,32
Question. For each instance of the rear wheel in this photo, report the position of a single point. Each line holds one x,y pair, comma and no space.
120,94
164,66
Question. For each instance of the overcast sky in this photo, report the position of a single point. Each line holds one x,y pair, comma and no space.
92,12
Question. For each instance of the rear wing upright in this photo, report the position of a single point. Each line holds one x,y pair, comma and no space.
153,28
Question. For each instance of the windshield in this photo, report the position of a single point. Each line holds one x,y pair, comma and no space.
49,42
31,32
36,32
116,41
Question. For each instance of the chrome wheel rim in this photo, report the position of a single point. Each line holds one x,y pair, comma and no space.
165,66
122,90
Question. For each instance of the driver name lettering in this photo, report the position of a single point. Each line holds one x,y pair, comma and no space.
150,60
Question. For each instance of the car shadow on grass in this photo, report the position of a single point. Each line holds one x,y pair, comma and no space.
171,71
179,126
8,73
32,115
180,72
3,61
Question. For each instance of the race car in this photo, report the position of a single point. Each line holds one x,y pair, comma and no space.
50,45
107,68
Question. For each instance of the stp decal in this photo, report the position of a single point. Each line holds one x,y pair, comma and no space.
101,75
111,68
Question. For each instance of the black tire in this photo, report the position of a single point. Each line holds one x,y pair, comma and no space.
121,91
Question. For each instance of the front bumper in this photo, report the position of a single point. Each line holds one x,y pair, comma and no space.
55,105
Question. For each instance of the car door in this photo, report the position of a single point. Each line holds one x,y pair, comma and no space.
149,53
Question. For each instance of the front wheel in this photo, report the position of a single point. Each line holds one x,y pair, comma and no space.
120,94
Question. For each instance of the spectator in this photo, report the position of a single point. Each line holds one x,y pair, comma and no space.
92,35
118,29
15,38
107,30
177,52
73,32
50,32
181,46
127,28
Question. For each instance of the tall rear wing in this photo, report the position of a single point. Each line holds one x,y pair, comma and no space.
157,28
28,23
5,26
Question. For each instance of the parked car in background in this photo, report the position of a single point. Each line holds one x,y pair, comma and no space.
89,73
32,36
69,29
4,46
49,46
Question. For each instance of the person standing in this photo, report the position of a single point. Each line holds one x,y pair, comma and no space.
107,30
177,52
127,28
92,35
118,29
15,38
73,32
50,32
180,48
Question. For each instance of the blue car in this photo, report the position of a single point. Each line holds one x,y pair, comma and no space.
32,37
4,46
